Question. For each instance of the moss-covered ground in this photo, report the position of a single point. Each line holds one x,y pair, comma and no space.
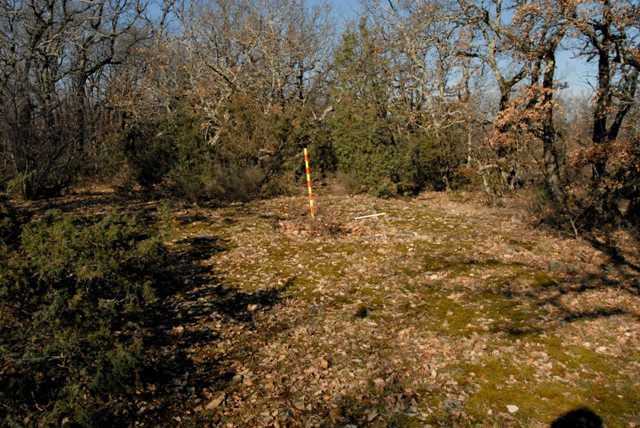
442,312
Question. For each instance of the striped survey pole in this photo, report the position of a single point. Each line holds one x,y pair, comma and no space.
306,164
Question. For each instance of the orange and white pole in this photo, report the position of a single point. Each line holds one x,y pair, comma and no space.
306,164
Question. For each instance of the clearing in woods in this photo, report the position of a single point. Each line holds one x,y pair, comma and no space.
443,312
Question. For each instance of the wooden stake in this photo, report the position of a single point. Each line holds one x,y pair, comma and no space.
306,164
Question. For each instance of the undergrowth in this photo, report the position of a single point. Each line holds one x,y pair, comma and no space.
72,294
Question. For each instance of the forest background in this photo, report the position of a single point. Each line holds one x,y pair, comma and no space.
217,99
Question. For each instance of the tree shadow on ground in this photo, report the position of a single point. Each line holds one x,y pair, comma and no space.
624,264
620,275
88,201
144,206
194,305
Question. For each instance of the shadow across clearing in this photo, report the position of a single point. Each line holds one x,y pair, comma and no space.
576,296
621,270
620,274
185,326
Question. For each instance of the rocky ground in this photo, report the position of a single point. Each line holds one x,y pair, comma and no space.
443,312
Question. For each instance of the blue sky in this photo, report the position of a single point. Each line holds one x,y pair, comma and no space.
579,74
347,9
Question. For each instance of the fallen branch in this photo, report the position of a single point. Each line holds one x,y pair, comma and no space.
370,216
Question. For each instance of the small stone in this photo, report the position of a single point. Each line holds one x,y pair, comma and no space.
252,307
452,404
324,364
512,408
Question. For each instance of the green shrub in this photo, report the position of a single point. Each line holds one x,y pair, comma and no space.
383,162
9,225
150,155
380,142
193,174
71,295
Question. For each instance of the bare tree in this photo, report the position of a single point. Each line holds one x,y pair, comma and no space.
610,34
54,56
422,40
548,23
497,41
274,51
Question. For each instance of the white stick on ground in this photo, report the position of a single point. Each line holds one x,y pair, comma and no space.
370,216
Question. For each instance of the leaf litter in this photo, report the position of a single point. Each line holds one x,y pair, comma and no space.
441,313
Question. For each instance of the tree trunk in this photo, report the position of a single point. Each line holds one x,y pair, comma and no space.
550,149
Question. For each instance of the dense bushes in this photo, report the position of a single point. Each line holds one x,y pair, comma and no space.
374,159
72,292
614,195
252,154
176,155
381,143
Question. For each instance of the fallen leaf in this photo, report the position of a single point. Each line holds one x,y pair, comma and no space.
216,402
372,415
